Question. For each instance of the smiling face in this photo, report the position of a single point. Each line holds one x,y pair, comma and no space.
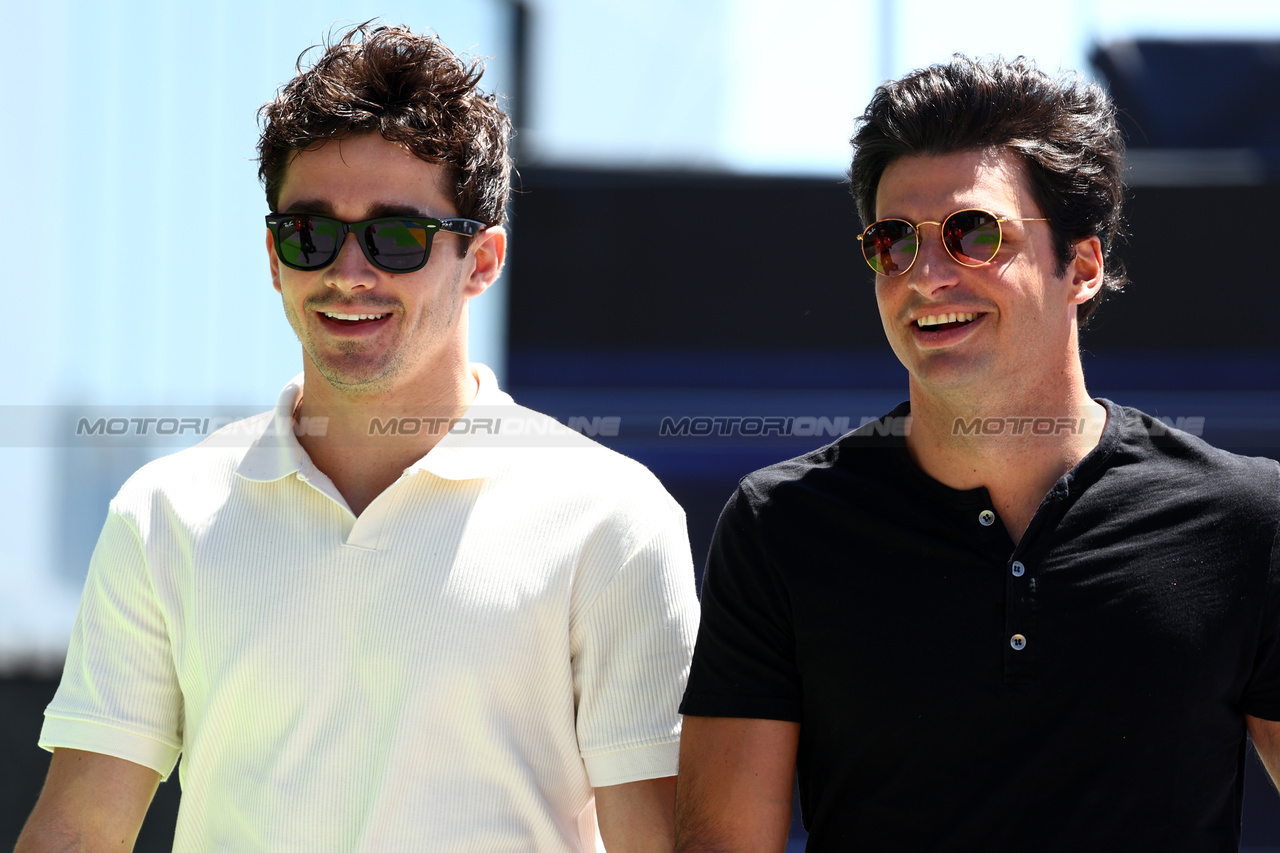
1007,326
366,331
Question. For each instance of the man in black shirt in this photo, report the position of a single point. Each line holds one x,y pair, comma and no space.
1029,620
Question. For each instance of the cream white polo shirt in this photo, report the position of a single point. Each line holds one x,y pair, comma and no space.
505,627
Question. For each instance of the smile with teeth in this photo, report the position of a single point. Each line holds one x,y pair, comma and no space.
942,319
332,315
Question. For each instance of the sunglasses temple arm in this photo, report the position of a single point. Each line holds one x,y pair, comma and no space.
465,227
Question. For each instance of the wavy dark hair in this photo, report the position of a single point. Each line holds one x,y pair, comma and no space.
1063,128
411,89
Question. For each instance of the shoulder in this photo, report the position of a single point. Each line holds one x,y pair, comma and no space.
1161,455
860,463
567,452
196,475
564,474
559,461
558,492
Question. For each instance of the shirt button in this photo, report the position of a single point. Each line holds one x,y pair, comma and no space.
1018,642
986,518
1018,569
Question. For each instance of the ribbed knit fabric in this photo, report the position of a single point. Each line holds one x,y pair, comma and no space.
505,627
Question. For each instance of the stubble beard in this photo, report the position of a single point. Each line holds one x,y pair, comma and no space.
378,372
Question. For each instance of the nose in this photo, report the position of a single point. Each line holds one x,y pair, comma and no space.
351,270
934,270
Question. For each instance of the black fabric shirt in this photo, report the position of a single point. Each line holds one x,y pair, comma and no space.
1084,690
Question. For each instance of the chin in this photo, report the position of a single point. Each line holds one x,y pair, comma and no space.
366,379
949,377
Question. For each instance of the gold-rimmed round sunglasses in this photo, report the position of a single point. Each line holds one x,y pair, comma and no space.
972,237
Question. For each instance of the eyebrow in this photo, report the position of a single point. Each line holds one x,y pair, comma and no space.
321,207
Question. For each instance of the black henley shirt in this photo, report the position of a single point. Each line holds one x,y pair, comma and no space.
1083,690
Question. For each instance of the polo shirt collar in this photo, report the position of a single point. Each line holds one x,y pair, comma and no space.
276,452
1085,472
467,455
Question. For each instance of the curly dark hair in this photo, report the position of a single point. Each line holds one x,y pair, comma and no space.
411,89
1064,129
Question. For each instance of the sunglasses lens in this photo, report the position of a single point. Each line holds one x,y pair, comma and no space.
308,242
972,236
890,246
398,244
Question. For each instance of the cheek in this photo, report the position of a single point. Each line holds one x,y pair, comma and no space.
887,297
293,284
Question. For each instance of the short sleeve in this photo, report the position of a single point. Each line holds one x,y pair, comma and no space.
631,649
119,693
744,663
1262,695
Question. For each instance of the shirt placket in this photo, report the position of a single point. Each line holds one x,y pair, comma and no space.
1019,638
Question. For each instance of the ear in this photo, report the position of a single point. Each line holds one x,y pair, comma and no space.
274,261
1085,272
488,251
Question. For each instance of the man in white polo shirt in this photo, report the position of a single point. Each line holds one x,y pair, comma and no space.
399,612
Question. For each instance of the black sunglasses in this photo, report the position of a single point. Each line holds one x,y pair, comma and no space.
306,242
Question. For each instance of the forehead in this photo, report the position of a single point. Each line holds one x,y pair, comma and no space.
351,176
920,187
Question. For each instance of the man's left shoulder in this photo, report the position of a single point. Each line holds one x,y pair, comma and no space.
571,465
1176,449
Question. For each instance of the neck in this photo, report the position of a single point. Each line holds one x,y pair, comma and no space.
1014,442
356,449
